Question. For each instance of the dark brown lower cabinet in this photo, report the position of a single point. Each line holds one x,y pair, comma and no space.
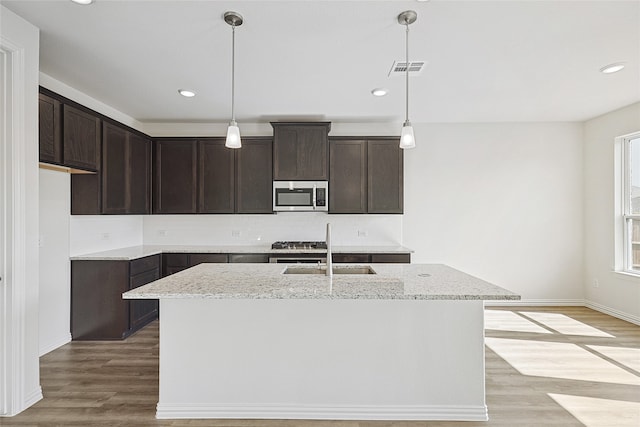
243,258
373,258
173,263
98,311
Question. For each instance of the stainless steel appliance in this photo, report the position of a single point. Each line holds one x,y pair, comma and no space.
299,256
300,196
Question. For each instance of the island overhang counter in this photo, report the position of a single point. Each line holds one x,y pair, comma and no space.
247,341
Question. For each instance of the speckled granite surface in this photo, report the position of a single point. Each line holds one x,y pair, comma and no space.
266,281
135,252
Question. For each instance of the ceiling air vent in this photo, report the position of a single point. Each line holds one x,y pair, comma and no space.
399,68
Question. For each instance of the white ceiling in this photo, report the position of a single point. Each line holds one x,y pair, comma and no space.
488,61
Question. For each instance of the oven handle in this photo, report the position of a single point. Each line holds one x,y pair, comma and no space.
296,260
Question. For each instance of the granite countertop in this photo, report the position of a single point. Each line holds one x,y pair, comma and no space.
135,252
266,281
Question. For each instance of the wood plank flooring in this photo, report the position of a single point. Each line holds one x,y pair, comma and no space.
551,366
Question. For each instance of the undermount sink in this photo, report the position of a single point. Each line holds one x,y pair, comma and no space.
365,269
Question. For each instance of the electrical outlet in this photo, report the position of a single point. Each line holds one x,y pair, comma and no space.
235,233
596,283
162,233
105,236
362,233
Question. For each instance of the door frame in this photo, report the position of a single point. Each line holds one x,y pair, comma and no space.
16,366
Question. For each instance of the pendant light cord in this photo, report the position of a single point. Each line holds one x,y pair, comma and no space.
233,73
407,72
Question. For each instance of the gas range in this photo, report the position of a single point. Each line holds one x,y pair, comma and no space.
299,245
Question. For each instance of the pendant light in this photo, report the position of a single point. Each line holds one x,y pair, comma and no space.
407,139
233,132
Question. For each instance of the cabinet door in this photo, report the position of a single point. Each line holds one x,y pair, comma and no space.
385,176
139,175
80,139
248,258
195,259
300,151
391,258
50,130
98,311
348,176
175,177
114,169
143,311
216,177
254,176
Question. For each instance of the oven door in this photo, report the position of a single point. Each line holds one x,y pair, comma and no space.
298,258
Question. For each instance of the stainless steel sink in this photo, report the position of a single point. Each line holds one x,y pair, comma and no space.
356,269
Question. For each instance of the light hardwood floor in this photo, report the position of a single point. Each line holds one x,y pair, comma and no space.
560,366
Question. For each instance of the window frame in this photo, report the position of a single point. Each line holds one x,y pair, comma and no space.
627,216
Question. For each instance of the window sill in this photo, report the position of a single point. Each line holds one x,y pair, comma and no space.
628,275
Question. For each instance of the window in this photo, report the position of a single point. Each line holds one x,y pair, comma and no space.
631,199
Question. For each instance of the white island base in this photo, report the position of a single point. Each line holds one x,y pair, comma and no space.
322,359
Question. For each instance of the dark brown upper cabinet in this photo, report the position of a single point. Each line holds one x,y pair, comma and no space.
50,129
175,183
300,151
139,175
80,139
254,176
366,176
114,169
126,159
385,174
216,176
348,176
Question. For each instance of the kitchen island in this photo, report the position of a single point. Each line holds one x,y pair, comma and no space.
247,341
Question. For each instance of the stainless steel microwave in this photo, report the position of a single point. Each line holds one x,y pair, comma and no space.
300,196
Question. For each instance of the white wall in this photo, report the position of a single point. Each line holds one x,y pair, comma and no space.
502,202
97,233
266,229
19,364
65,90
55,291
617,293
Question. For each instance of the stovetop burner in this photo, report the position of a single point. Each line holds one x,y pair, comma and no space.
299,245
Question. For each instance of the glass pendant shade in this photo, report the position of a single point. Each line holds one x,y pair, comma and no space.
233,136
407,140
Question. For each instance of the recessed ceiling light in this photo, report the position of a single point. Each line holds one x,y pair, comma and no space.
186,93
82,1
379,91
612,68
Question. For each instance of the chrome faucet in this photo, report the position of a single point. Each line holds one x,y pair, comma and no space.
329,256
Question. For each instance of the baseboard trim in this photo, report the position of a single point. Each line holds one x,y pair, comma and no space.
613,312
320,412
538,302
33,397
568,302
56,343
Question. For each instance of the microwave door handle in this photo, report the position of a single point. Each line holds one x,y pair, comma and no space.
314,198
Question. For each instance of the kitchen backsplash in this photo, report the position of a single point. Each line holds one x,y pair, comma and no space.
265,229
97,233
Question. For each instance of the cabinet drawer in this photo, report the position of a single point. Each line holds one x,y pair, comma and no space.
176,260
144,264
351,258
195,259
144,278
391,258
249,258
